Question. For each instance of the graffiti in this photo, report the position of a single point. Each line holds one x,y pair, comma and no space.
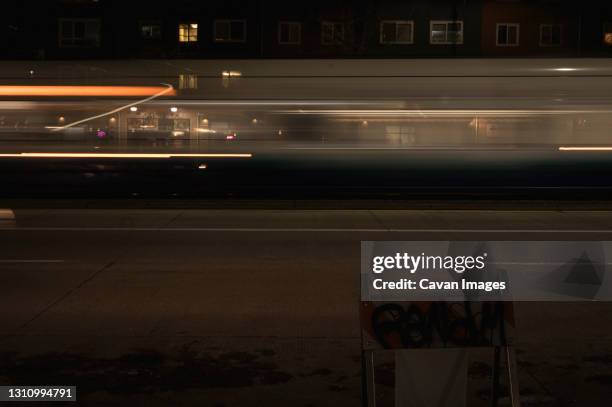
437,324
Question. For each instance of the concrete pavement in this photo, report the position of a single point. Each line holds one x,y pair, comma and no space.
251,307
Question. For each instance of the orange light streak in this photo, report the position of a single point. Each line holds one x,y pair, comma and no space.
82,91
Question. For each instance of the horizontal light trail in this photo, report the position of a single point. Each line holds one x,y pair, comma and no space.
7,214
438,112
294,230
475,148
297,102
27,261
122,155
585,148
75,91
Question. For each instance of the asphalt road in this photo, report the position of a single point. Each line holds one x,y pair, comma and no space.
252,307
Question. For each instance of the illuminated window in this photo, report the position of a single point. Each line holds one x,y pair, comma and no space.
507,35
289,32
550,35
188,81
230,31
150,31
332,33
396,32
446,32
142,123
188,33
607,36
79,32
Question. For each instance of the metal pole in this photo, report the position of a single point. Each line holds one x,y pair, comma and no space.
495,379
515,399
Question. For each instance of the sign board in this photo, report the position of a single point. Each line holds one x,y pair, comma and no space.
416,325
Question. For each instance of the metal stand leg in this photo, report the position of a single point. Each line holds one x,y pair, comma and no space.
495,378
515,399
369,389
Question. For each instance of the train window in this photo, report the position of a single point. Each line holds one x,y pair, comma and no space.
188,81
142,123
396,32
446,32
507,35
550,35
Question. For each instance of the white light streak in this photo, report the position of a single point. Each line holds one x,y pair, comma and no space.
585,148
169,89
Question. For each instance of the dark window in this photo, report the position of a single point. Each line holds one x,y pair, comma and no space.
79,33
507,35
150,31
550,35
332,33
396,32
289,32
446,32
230,31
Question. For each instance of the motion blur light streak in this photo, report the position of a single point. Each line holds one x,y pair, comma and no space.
7,214
231,74
122,155
438,113
218,102
58,91
585,148
169,90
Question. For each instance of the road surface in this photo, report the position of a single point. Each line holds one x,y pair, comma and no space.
252,307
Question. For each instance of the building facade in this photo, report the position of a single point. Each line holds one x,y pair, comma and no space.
75,29
523,28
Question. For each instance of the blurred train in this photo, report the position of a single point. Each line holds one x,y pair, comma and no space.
455,123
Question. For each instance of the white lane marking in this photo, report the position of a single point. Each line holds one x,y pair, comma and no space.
285,230
29,261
